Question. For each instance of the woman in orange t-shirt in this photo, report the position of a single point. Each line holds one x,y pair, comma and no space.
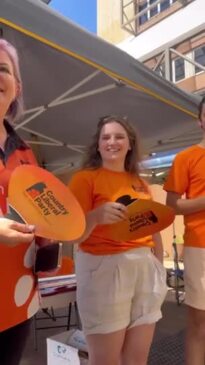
120,285
19,297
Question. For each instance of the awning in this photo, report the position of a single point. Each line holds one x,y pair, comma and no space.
72,77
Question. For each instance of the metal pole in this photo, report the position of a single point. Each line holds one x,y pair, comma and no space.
168,69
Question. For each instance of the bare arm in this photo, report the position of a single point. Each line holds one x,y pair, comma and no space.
158,249
12,233
185,206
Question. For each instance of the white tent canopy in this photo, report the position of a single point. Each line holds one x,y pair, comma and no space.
71,78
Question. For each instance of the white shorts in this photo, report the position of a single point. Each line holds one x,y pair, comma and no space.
194,277
119,291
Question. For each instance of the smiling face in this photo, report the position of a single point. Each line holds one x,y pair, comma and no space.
113,145
8,83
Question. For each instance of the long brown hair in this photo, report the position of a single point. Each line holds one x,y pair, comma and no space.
93,158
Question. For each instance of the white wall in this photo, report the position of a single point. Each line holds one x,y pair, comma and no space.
109,22
179,23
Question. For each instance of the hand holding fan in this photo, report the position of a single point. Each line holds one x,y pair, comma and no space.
144,218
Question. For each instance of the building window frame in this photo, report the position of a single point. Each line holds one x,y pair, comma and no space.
196,70
190,70
150,13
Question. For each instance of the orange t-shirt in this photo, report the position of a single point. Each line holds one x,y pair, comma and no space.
19,297
92,188
187,176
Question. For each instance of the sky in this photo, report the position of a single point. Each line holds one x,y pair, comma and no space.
82,12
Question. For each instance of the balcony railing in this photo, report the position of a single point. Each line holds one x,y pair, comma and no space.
135,13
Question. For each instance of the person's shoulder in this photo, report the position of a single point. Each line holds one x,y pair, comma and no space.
85,174
189,152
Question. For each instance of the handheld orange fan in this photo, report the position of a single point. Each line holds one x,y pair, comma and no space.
43,200
144,218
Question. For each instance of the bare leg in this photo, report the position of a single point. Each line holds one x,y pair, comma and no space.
137,345
105,349
195,338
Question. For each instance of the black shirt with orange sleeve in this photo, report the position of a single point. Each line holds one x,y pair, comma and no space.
19,298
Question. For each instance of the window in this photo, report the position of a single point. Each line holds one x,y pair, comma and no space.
178,69
160,7
165,4
154,10
199,56
143,18
183,69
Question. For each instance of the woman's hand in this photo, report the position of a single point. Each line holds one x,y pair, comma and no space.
109,213
12,233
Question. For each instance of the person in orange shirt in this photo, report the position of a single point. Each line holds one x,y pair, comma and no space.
187,176
120,285
19,299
